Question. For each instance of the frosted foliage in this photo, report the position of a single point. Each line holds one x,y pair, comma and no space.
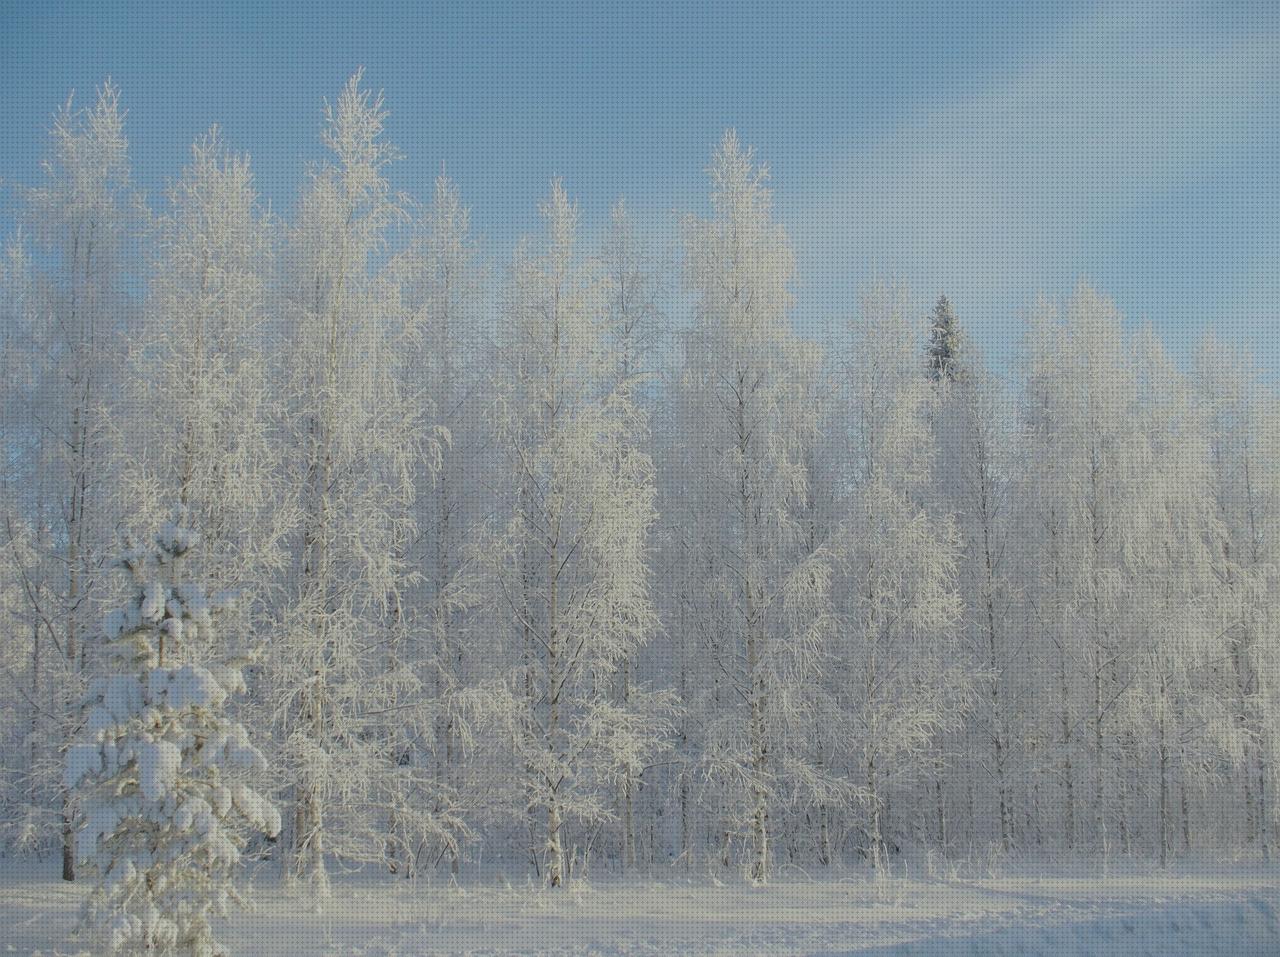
763,609
201,374
588,558
568,572
66,306
360,435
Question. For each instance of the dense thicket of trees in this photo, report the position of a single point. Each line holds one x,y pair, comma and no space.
547,570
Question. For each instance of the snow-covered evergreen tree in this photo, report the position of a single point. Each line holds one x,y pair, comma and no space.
162,773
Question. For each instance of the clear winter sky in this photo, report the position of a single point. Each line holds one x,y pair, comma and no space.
992,150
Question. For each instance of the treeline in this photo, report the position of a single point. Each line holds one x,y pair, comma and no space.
533,567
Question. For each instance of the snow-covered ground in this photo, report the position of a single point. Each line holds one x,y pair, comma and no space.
1207,911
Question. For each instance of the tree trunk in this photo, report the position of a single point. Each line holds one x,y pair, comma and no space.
1099,770
1185,807
994,661
555,684
940,800
1264,830
876,837
1068,777
755,638
1164,787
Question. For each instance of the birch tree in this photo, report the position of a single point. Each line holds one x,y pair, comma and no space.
571,568
1086,496
81,219
905,678
1241,414
971,427
31,720
1177,633
339,672
632,327
440,284
763,611
202,375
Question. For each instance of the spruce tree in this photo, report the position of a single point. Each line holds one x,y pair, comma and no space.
159,769
944,342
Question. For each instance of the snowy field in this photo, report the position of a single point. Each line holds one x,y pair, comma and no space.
1203,911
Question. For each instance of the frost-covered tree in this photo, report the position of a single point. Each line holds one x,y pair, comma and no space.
1241,413
761,612
65,350
1174,710
570,568
28,721
971,480
440,285
344,690
162,774
201,373
882,600
634,319
944,341
633,326
32,717
1085,497
905,678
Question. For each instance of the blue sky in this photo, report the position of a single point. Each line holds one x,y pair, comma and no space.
991,150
